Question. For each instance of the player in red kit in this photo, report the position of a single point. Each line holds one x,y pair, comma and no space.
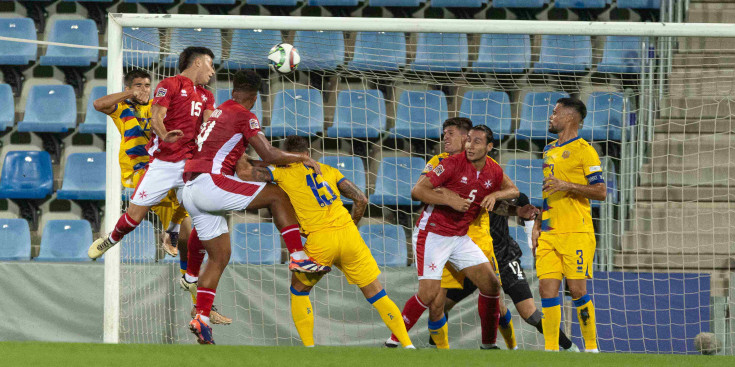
212,189
179,104
468,182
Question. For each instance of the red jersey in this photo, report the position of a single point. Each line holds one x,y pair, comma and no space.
185,103
457,174
222,139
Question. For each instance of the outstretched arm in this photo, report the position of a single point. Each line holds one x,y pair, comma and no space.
349,190
254,171
273,155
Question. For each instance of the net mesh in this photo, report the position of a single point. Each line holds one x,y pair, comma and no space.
372,105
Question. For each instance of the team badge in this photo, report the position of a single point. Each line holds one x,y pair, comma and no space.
161,92
183,93
254,124
204,98
566,154
428,167
439,170
488,184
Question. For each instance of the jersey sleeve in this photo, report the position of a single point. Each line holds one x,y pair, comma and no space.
334,173
276,173
249,125
433,162
117,111
592,167
209,104
164,93
440,174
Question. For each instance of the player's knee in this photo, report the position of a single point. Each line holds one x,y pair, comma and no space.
577,290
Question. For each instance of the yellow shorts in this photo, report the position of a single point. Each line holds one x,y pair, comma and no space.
169,210
454,279
565,254
345,249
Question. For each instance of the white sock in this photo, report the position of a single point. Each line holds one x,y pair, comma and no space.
190,279
204,318
299,255
173,227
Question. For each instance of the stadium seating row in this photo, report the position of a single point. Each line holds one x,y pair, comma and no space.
359,113
384,51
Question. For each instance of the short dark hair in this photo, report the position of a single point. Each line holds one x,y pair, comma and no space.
488,132
190,54
296,144
461,123
135,74
574,103
246,81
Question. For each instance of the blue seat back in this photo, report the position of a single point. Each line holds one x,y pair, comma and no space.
222,95
320,50
26,175
93,116
351,167
250,48
333,2
604,110
379,51
15,240
528,176
421,114
535,112
518,3
273,2
622,54
396,3
139,245
256,243
65,240
441,52
396,177
564,54
639,4
141,39
580,4
360,113
51,103
182,38
7,112
387,243
77,32
18,53
504,53
84,177
297,111
457,3
489,108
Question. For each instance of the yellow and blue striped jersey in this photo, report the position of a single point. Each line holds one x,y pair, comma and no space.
577,162
133,124
315,198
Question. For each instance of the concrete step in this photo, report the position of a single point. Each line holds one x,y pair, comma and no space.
689,217
679,242
703,60
701,107
708,45
700,82
694,125
711,12
685,193
672,262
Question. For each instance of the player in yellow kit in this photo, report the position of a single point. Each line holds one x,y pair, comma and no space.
564,238
332,236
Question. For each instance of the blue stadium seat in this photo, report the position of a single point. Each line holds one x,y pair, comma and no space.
604,119
518,3
141,39
182,38
420,115
622,54
78,32
140,244
535,112
222,95
150,1
250,47
503,53
580,4
379,51
519,235
320,50
441,52
528,175
65,240
54,109
351,167
457,3
387,243
7,112
639,4
256,243
485,107
84,177
15,240
273,2
396,177
296,112
26,175
396,3
95,122
564,55
333,2
359,114
17,53
211,2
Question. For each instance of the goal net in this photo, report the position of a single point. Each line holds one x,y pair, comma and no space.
371,95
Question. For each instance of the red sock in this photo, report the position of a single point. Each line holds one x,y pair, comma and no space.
205,299
195,252
489,309
292,237
124,226
412,311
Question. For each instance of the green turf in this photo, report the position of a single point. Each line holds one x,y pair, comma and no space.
138,355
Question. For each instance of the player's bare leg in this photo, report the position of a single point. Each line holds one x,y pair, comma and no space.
126,224
488,304
219,251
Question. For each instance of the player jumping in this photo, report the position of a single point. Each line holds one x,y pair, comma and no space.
564,238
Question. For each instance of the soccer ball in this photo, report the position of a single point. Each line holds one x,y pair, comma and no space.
707,343
283,58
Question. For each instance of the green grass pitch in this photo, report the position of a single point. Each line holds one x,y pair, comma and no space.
138,355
